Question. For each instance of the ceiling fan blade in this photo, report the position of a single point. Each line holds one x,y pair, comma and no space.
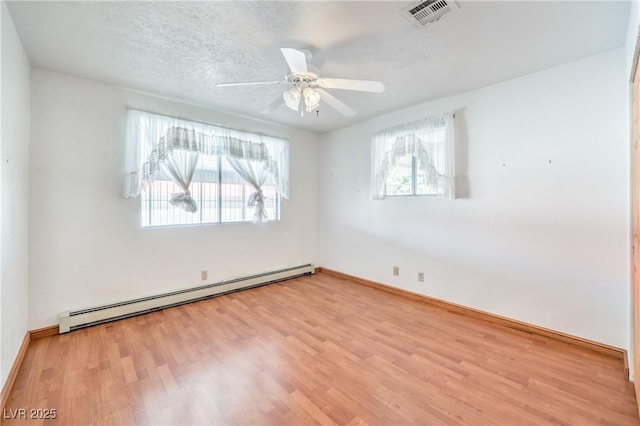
249,83
346,84
335,103
296,60
273,105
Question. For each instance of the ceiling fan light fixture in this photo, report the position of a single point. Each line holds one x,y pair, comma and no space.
307,88
311,98
292,98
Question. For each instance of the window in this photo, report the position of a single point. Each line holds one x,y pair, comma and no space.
218,203
191,173
414,159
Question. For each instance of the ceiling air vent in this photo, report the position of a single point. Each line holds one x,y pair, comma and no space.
428,11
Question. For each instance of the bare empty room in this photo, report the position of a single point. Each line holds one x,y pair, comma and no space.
311,212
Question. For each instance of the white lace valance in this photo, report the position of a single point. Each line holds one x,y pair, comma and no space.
152,137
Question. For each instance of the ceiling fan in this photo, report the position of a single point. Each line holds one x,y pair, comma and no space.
307,90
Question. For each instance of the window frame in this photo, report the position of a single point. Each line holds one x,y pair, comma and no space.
200,201
429,143
414,183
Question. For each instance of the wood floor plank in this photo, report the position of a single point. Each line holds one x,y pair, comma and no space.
316,350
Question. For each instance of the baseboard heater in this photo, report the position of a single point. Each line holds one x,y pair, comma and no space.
74,320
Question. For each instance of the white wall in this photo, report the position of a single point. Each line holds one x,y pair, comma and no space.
540,232
87,245
14,202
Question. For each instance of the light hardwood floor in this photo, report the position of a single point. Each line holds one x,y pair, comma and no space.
312,350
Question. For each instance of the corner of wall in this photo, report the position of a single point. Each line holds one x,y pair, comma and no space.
15,104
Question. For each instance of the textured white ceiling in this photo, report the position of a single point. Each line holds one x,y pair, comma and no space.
182,49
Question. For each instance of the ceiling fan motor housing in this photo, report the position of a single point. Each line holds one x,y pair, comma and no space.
302,81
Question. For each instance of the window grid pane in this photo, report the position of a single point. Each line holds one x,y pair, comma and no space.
400,176
234,194
216,203
410,176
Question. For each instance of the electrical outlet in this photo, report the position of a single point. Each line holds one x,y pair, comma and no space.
204,274
421,276
396,270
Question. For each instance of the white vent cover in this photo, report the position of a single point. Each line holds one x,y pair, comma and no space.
428,11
